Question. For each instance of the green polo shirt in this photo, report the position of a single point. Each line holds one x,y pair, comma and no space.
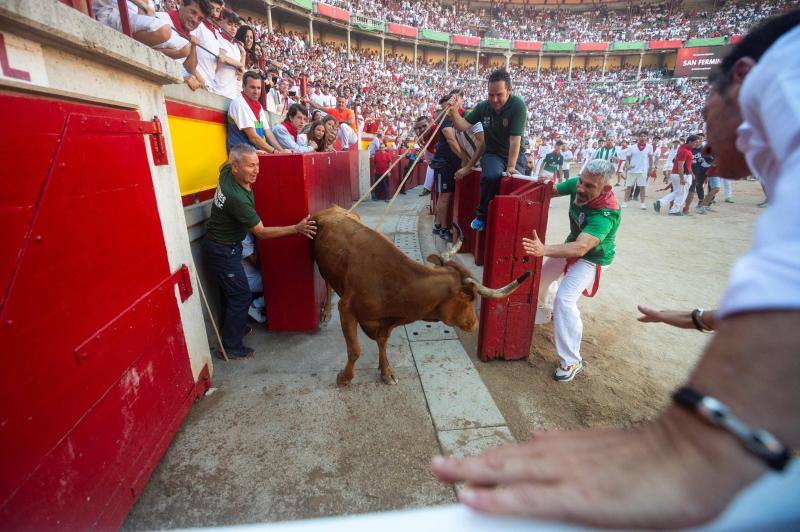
233,210
553,162
498,127
601,223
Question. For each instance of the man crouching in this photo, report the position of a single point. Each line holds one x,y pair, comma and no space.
594,217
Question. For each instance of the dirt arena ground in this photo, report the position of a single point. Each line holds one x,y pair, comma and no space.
630,367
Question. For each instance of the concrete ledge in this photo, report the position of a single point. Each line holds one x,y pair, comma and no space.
201,98
56,24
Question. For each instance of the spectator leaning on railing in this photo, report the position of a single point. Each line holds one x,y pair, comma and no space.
287,131
247,121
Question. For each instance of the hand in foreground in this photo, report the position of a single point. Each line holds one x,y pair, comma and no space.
461,173
676,318
307,227
651,476
533,247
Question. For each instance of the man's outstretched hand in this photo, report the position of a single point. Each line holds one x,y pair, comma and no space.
533,247
676,318
307,227
657,475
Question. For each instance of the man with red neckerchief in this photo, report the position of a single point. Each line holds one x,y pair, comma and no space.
182,46
594,217
207,36
247,120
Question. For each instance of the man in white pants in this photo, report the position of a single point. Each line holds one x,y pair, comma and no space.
640,160
681,179
594,217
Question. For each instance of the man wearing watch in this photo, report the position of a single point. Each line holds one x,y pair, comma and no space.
681,469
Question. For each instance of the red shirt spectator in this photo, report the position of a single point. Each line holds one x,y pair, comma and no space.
382,161
684,154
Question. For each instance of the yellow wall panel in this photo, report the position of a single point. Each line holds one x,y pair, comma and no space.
199,149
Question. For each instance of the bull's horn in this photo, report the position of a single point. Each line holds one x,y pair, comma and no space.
496,293
452,251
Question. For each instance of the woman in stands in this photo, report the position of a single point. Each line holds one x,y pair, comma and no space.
318,135
247,37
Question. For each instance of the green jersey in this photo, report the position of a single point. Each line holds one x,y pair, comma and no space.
498,127
233,210
601,222
609,154
553,162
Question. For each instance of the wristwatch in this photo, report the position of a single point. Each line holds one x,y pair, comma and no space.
758,441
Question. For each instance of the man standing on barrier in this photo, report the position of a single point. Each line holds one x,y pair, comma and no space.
233,214
504,117
594,218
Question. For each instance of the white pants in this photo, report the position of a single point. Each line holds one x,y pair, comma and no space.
561,295
678,194
727,188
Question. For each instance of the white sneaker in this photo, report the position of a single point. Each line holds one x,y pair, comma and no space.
256,314
624,205
563,374
643,206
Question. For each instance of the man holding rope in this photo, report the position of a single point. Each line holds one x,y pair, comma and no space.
504,117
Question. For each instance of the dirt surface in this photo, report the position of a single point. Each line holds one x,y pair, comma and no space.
630,367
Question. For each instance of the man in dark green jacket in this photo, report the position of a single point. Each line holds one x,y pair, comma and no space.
233,214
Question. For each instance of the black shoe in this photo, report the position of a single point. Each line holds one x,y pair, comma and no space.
446,235
244,353
437,229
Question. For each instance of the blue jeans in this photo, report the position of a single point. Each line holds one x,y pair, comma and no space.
225,263
492,168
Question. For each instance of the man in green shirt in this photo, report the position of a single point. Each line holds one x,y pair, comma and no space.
504,117
552,163
233,214
594,217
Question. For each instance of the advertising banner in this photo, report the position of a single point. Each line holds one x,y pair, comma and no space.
698,61
466,40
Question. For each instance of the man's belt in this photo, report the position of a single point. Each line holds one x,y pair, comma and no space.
223,242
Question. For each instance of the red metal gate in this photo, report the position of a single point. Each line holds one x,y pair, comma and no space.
96,375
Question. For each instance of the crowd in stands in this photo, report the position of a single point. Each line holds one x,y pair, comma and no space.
638,21
370,96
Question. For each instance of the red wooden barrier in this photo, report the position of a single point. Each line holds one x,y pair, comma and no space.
288,188
465,200
96,377
506,326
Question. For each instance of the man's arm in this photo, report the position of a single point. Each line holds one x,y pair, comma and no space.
480,147
459,122
450,136
276,146
681,164
256,140
514,143
285,140
306,227
571,250
190,63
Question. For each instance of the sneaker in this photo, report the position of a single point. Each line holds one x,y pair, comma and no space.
478,225
624,205
657,206
643,206
256,315
676,214
729,200
424,192
563,374
446,235
762,205
700,210
709,209
244,353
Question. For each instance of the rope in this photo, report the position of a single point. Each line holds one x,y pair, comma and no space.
399,158
408,172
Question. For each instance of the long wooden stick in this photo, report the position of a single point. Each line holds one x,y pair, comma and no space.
389,170
408,172
211,316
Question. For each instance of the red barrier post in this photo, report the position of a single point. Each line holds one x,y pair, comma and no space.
506,326
465,200
288,188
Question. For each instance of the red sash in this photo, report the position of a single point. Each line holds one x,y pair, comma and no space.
596,283
176,21
255,106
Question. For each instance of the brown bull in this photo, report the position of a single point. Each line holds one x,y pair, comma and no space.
380,287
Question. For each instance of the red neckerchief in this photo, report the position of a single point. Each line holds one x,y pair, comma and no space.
604,201
641,146
176,21
207,23
290,128
227,36
255,106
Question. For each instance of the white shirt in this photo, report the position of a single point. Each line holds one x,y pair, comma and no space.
768,277
206,62
243,116
568,156
225,82
640,159
175,42
670,157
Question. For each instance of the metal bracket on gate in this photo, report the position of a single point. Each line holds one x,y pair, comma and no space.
151,128
184,281
157,145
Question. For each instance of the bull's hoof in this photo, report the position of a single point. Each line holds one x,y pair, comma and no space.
342,379
389,378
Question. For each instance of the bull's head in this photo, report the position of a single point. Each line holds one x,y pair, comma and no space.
458,309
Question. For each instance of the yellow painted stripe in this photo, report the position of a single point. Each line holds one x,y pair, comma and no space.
199,149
